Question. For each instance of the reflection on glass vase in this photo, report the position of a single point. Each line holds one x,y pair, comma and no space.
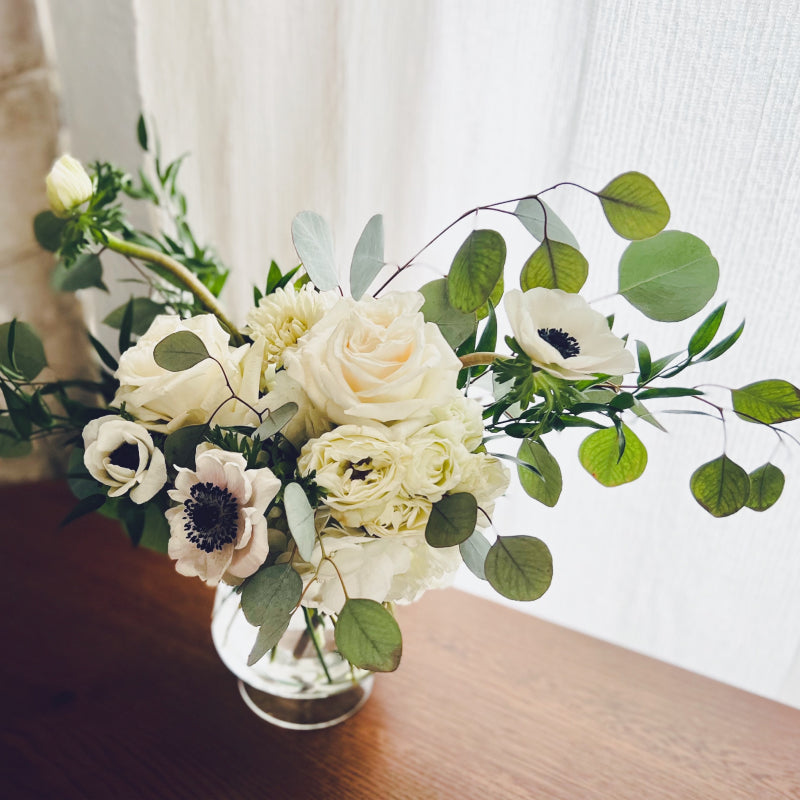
303,683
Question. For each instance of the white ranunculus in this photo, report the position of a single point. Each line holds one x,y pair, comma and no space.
309,422
375,360
121,454
434,468
361,467
564,336
219,531
396,569
486,478
164,401
284,316
68,186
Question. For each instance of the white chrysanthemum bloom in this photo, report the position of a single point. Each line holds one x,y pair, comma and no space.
396,569
375,360
284,317
361,467
121,454
564,336
309,422
165,401
68,186
219,531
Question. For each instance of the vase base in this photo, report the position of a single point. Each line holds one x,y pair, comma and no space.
307,714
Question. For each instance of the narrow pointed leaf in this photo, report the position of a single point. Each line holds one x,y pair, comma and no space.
599,454
531,213
452,520
180,351
721,486
83,507
645,362
368,636
367,258
474,551
705,334
141,132
555,265
545,484
519,567
475,270
634,206
723,346
766,486
767,401
314,244
669,277
300,516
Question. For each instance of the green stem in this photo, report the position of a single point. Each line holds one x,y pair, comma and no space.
320,656
185,276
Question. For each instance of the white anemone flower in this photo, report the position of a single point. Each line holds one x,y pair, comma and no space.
564,336
219,531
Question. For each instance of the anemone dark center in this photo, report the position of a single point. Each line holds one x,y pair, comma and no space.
565,344
125,456
212,516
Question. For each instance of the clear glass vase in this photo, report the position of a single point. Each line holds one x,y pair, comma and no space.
303,683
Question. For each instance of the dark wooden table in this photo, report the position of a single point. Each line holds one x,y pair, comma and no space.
111,689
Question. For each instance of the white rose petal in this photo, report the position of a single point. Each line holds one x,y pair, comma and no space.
121,454
564,336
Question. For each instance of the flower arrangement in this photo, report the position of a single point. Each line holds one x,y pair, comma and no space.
329,453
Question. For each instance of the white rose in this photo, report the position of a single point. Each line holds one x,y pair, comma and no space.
564,336
164,401
375,360
361,467
219,531
121,454
68,185
309,422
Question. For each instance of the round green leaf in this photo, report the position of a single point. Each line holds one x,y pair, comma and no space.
474,551
767,401
519,567
721,486
180,445
368,636
367,258
145,311
669,277
300,516
452,520
47,229
634,207
455,325
272,591
180,351
11,445
766,486
276,420
85,273
314,244
269,634
475,270
554,265
544,484
29,359
599,454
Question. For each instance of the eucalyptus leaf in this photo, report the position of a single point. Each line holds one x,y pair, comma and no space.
768,402
554,265
180,445
634,206
545,484
494,299
455,325
531,213
721,486
488,340
474,551
156,529
368,636
11,445
275,421
269,634
452,520
300,516
85,273
669,277
313,241
519,567
180,351
367,258
475,270
145,311
272,591
766,486
599,454
28,352
47,228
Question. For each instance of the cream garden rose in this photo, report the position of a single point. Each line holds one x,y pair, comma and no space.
68,186
564,336
164,400
121,454
375,360
219,529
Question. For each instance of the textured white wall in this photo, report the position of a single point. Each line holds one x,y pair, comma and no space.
420,110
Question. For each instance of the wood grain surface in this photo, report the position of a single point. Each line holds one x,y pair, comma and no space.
110,688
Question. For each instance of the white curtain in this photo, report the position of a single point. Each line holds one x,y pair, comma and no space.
421,110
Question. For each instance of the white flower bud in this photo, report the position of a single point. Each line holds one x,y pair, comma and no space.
68,185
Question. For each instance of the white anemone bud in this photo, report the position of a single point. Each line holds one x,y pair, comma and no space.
68,185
